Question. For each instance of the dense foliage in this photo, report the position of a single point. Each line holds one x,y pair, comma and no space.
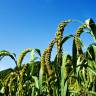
66,75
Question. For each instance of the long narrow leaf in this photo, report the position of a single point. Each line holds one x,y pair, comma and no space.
63,76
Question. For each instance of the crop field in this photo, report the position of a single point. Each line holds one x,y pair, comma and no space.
66,75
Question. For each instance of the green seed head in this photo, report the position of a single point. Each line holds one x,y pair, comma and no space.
59,36
77,36
43,57
80,30
21,56
48,55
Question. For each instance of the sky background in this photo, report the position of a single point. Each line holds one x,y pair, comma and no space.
33,23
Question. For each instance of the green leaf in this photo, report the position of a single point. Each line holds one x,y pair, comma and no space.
38,52
74,56
66,38
63,76
41,78
92,93
92,27
4,53
92,70
36,81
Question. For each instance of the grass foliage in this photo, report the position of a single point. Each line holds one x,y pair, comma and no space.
66,75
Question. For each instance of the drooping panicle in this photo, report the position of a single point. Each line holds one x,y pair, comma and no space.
43,57
77,40
59,37
21,56
48,56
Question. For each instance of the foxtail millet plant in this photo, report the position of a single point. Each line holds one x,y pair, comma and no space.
21,56
54,78
48,56
79,31
42,69
59,37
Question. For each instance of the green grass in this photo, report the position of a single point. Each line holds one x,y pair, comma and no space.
66,75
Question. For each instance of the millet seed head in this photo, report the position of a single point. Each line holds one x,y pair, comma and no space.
21,56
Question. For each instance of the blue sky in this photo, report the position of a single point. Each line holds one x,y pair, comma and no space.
33,23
